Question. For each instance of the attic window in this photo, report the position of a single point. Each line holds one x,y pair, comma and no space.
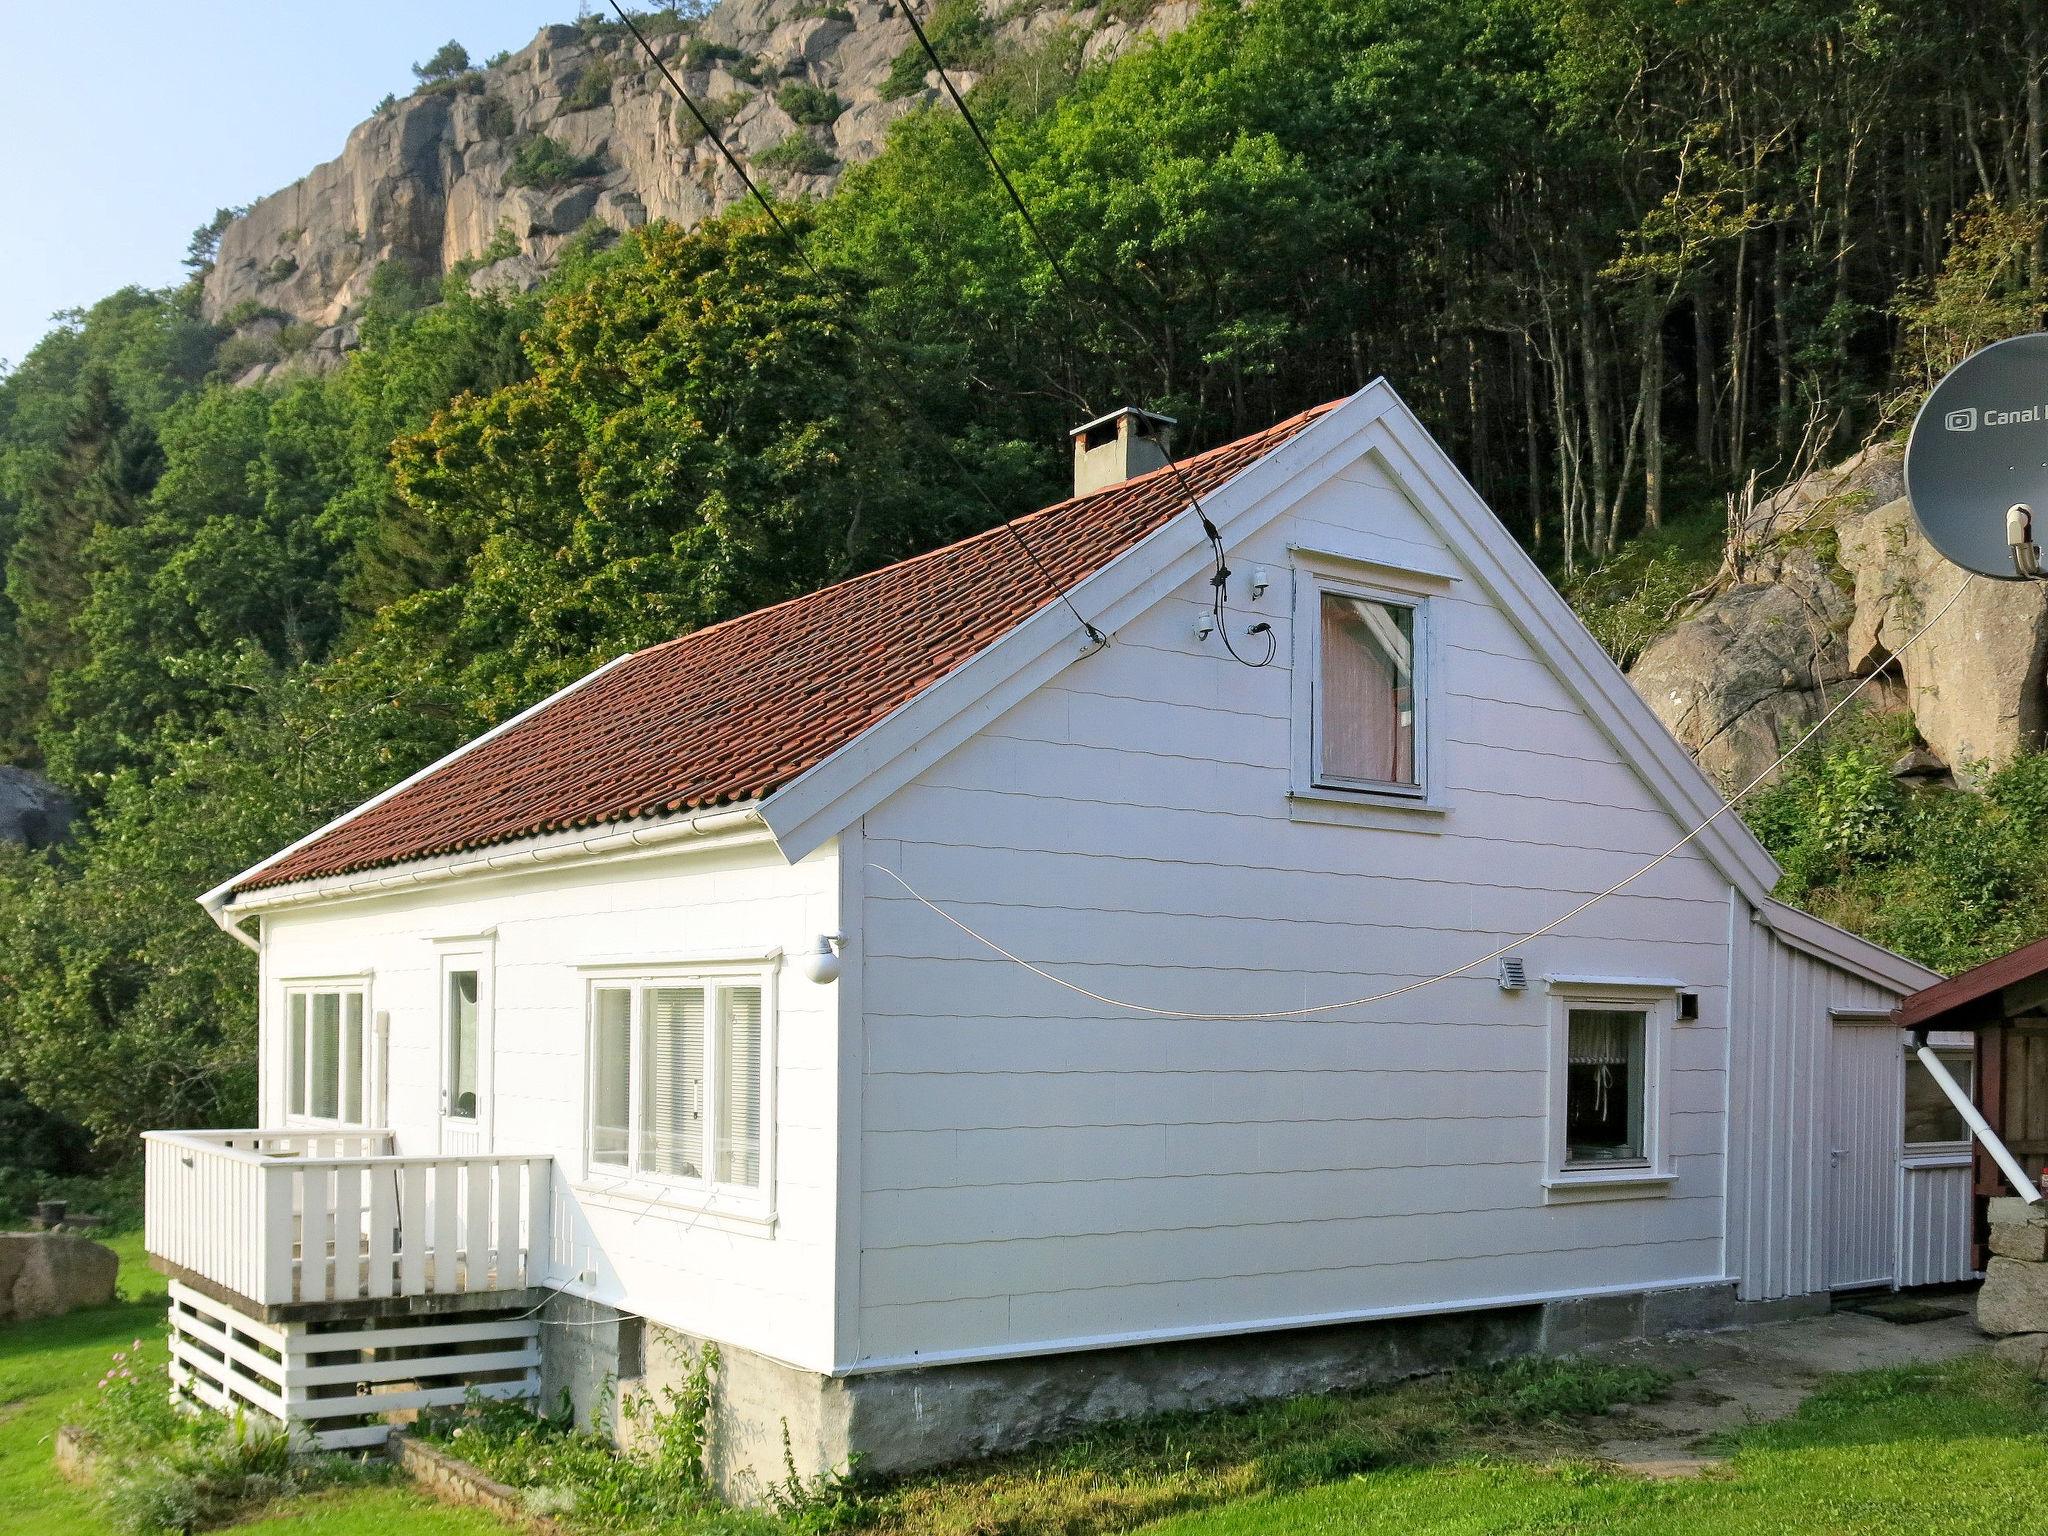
1367,717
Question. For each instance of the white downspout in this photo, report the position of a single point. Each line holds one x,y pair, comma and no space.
2023,1186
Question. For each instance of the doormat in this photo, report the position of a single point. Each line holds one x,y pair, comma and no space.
1904,1310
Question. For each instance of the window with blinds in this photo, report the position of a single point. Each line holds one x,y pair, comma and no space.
1604,1082
1365,712
677,1079
324,1054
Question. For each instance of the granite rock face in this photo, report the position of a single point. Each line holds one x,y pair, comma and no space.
33,811
1836,580
429,182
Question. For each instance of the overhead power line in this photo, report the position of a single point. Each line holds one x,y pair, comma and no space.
1219,582
1490,956
854,329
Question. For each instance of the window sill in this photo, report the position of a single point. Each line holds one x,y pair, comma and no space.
1936,1155
1579,1185
1363,808
711,1212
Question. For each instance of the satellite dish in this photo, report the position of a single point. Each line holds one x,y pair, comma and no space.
1979,451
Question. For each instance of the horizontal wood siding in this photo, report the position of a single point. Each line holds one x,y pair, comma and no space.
1039,1169
764,1286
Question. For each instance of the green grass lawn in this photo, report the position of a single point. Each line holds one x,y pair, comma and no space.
1918,1451
48,1368
1956,1448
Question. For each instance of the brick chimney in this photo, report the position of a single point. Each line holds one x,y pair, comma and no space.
1111,449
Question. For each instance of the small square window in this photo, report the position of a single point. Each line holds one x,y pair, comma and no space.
1931,1120
1605,1076
1366,715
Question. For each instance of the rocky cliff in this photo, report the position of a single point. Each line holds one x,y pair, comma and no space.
1835,579
510,161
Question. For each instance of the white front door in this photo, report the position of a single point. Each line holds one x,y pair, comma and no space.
464,1024
1864,1111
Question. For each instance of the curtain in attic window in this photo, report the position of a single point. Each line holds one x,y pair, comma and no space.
1368,691
739,1105
611,1058
1603,1108
672,1106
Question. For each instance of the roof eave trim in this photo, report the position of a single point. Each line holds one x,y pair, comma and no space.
1839,947
829,796
718,827
215,901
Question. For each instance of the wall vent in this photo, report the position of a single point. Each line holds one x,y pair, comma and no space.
1514,977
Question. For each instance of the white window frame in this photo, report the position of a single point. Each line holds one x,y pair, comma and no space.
748,1203
1316,796
478,953
308,987
1925,1152
1649,1175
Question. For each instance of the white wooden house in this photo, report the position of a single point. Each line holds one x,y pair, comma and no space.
627,1021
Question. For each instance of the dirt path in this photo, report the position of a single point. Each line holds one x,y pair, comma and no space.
1730,1380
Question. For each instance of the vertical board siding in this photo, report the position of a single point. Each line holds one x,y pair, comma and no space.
766,1286
1041,1169
1934,1222
1779,1174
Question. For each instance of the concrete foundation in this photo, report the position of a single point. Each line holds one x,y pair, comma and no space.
905,1420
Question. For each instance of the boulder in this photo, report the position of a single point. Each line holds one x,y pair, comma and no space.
2014,1298
55,1273
33,811
2019,1230
1740,678
2028,1351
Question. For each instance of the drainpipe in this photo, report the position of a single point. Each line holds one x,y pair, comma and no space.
2015,1175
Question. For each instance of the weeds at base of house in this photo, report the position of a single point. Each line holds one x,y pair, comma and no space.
162,1468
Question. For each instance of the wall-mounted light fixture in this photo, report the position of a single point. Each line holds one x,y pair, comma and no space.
823,964
1205,626
1261,579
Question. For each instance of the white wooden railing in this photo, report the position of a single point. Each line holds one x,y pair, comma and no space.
310,1216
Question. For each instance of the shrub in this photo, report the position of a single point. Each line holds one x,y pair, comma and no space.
809,103
280,269
719,110
495,118
593,88
959,35
448,61
388,104
547,162
703,53
797,155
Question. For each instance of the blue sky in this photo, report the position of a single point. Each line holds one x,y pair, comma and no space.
126,124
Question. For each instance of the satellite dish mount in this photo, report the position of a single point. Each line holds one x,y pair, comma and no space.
2019,535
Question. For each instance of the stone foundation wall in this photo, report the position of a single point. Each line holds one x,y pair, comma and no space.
905,1420
2012,1305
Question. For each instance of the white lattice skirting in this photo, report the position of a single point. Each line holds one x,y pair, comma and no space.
336,1384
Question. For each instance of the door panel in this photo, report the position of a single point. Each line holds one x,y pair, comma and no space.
1864,1096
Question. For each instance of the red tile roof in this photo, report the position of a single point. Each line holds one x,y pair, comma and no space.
1973,997
734,711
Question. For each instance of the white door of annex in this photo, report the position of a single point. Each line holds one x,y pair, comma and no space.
464,1005
1864,1069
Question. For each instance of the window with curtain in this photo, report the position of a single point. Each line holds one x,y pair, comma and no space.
1604,1082
677,1086
1930,1119
324,1054
1365,716
462,1044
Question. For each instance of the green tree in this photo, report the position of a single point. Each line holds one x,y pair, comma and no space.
448,61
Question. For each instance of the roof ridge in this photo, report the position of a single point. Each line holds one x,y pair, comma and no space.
1010,525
